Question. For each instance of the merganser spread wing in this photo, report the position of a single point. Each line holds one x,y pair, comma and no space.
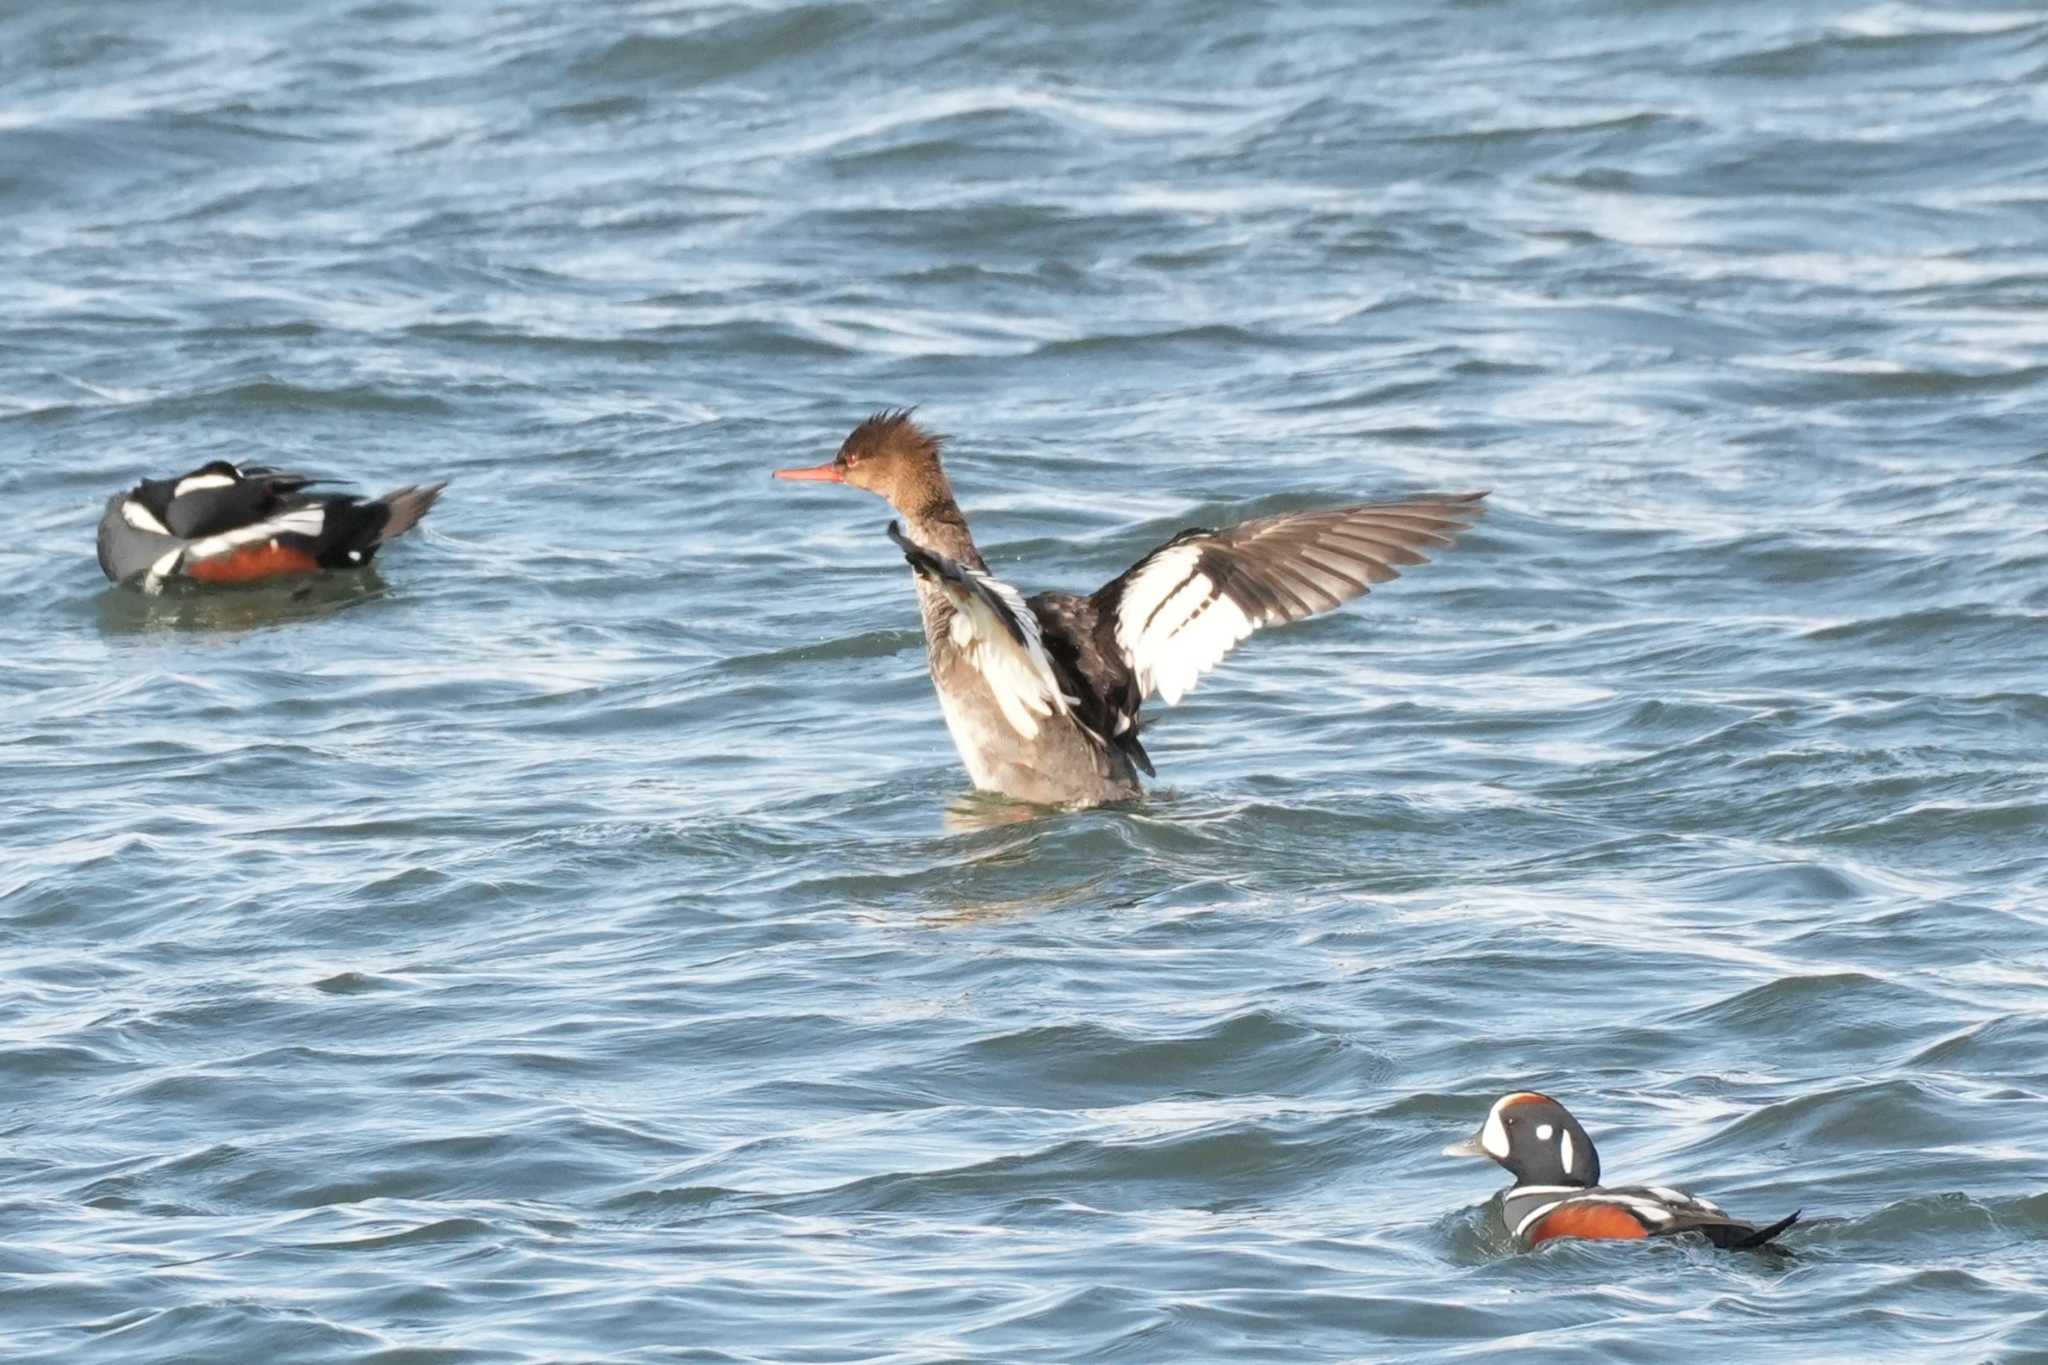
997,633
1175,613
223,524
1042,695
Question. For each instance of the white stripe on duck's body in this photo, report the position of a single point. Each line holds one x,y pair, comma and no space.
1042,694
227,524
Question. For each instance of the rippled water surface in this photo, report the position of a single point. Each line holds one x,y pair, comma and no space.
577,940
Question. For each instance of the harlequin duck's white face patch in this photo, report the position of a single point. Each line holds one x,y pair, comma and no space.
1501,1139
1494,1136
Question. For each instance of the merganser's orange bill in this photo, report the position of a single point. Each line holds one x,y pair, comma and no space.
829,472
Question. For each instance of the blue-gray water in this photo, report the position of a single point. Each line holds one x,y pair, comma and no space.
576,941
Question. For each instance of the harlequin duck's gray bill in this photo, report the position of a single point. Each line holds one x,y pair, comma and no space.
1042,694
225,524
1557,1190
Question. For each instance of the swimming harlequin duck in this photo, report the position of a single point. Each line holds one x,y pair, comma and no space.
1042,694
1557,1190
221,524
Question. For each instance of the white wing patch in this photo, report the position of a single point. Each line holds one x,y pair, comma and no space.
1175,625
300,521
1646,1208
1183,607
142,519
1680,1199
1018,673
200,482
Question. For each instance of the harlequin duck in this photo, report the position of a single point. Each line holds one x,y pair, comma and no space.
223,524
1557,1190
1041,694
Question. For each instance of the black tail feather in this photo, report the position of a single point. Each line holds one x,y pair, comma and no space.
1763,1236
354,530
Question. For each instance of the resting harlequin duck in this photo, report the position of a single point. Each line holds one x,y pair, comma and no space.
1557,1190
223,524
1041,694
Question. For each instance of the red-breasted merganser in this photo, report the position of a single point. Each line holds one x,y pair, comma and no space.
1557,1190
223,524
1042,694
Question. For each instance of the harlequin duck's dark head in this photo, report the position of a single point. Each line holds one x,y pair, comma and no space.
1536,1139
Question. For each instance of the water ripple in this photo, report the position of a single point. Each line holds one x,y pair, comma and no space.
577,937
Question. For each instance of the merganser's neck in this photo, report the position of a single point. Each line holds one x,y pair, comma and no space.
937,524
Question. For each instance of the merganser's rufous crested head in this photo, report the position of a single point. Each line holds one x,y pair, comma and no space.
1536,1139
890,456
